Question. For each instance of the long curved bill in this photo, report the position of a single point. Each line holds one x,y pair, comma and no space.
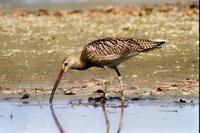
56,85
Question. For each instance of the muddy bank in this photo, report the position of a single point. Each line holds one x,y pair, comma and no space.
187,89
33,45
163,9
60,5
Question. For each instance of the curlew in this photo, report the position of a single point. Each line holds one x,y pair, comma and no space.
106,53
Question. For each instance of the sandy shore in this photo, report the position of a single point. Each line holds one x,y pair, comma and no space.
26,35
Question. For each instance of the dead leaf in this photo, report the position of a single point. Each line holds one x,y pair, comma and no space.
70,92
162,89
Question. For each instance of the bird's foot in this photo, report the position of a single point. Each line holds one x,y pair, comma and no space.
103,98
122,97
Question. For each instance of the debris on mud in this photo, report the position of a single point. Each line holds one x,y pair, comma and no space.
26,36
135,99
71,91
25,96
183,101
115,10
113,98
100,99
162,89
99,91
7,98
186,87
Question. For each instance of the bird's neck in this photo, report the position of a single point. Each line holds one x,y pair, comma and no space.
79,65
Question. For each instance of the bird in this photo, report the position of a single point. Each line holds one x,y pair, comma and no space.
107,53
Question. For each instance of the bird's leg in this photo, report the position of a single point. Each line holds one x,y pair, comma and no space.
106,84
121,85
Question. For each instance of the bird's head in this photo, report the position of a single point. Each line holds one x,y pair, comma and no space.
68,63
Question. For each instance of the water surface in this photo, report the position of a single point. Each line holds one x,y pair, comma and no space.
73,117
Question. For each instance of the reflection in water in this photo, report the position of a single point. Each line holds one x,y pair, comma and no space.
55,119
85,118
121,120
105,117
107,120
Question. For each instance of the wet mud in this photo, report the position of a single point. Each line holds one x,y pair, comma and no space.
33,44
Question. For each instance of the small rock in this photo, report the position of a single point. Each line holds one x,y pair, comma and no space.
135,99
25,96
181,101
99,91
90,99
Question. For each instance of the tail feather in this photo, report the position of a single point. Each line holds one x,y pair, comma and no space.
151,45
160,43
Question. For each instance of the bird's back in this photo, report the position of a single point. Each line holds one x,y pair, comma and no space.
112,51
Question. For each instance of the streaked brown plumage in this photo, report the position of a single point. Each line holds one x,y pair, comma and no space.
106,53
112,51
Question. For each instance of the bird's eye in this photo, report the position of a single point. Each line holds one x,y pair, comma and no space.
66,64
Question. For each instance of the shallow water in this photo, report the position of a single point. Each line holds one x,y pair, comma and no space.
73,117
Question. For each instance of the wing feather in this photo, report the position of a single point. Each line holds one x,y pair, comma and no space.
111,50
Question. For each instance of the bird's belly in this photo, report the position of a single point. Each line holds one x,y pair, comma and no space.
109,63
